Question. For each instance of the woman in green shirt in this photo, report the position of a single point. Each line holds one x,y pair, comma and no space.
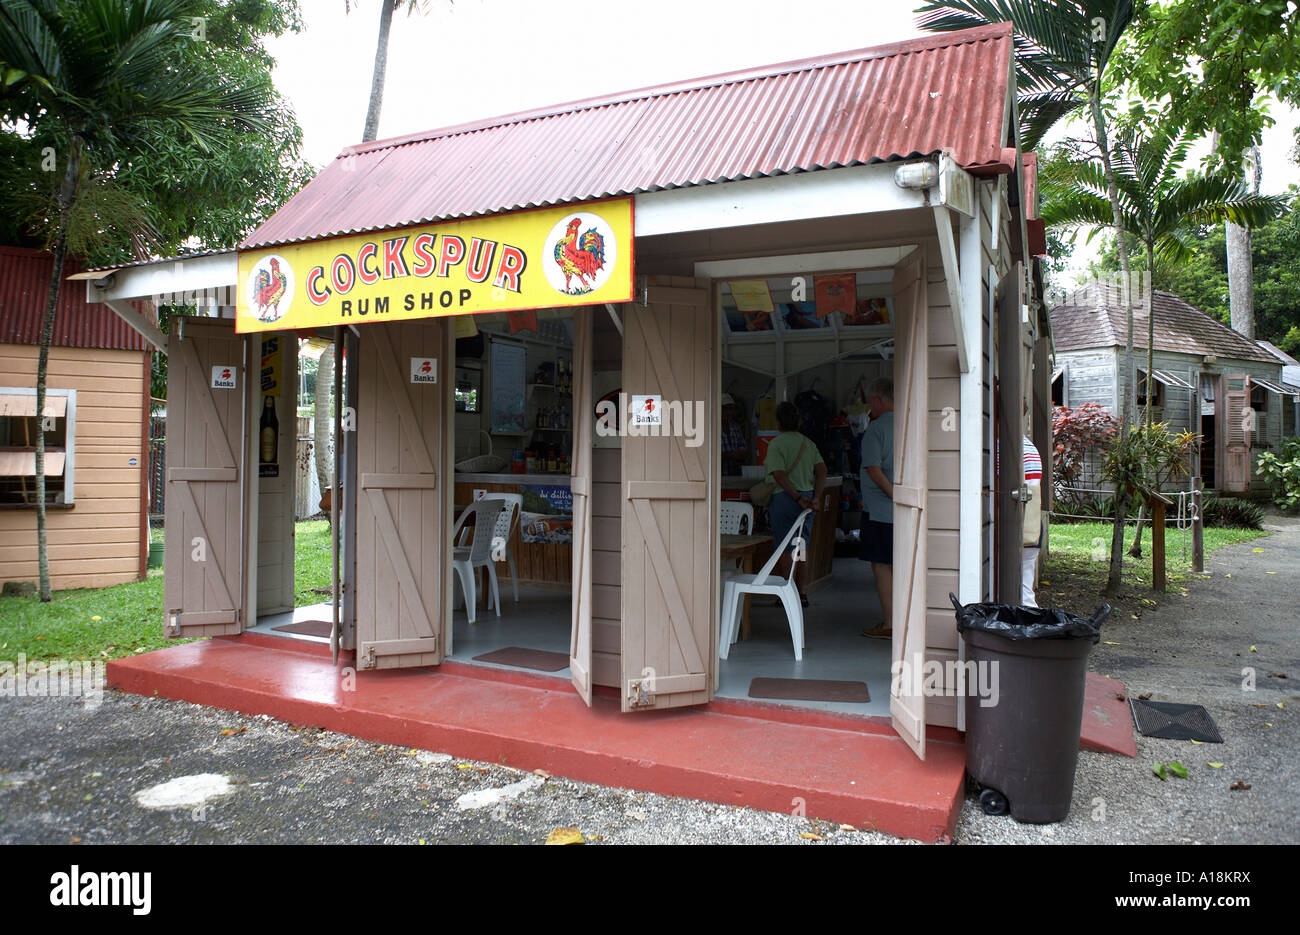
796,467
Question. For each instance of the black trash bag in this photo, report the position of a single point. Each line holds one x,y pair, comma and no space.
1014,622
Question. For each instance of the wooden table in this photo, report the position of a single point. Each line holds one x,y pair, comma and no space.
745,548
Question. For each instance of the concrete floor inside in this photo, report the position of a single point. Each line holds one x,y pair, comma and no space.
834,648
267,623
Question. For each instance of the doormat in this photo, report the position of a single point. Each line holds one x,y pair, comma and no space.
1169,721
810,690
307,628
521,658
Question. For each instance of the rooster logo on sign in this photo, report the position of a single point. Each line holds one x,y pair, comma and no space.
269,290
580,256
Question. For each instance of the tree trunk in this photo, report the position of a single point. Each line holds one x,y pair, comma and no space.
67,196
1135,549
322,433
1241,292
377,78
1130,382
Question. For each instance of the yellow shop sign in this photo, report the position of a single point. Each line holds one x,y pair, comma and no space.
543,258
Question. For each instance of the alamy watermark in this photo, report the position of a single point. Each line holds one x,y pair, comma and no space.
651,416
935,679
64,678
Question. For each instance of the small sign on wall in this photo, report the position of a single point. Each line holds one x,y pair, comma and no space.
424,370
224,377
647,410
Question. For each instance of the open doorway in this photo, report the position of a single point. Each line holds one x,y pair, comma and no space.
513,430
290,587
822,342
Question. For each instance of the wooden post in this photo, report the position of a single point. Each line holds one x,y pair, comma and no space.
1198,527
1158,542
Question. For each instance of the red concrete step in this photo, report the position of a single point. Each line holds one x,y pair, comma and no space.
1107,721
843,773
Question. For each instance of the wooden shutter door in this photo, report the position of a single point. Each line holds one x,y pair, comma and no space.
1236,435
402,515
670,544
1010,459
580,487
911,489
204,567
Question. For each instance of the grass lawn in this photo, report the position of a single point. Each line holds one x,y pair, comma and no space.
108,623
1075,572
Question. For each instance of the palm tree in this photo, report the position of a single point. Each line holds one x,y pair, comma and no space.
100,76
1062,50
1161,207
1161,204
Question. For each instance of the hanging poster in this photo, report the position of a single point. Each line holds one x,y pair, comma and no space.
838,293
269,423
508,397
874,311
546,514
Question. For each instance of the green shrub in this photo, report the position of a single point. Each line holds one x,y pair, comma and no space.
1282,471
1231,513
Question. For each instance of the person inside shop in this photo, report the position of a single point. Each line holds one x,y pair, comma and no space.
796,467
735,449
1033,524
876,478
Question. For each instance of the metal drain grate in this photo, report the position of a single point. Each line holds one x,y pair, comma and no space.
1170,721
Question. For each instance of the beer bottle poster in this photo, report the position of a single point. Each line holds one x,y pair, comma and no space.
268,434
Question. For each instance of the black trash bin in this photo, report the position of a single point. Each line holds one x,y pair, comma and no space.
1022,750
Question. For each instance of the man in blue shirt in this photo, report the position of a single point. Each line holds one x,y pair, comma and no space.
876,535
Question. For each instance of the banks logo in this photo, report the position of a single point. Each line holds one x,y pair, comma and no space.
424,370
269,290
581,253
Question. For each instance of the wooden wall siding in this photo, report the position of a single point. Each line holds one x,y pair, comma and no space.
205,566
275,495
943,466
97,542
606,528
606,565
403,521
670,541
1089,377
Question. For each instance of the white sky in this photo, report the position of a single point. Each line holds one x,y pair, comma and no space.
474,59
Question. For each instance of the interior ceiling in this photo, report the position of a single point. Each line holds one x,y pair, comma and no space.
677,253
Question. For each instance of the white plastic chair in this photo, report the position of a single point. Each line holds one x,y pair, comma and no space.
735,587
478,554
505,528
735,518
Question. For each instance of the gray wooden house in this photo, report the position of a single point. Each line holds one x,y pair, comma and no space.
1205,377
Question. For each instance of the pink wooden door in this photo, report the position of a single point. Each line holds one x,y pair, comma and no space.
911,490
206,558
403,522
1237,430
670,544
580,488
1010,458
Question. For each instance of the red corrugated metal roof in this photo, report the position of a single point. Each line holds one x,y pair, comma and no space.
943,92
24,285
